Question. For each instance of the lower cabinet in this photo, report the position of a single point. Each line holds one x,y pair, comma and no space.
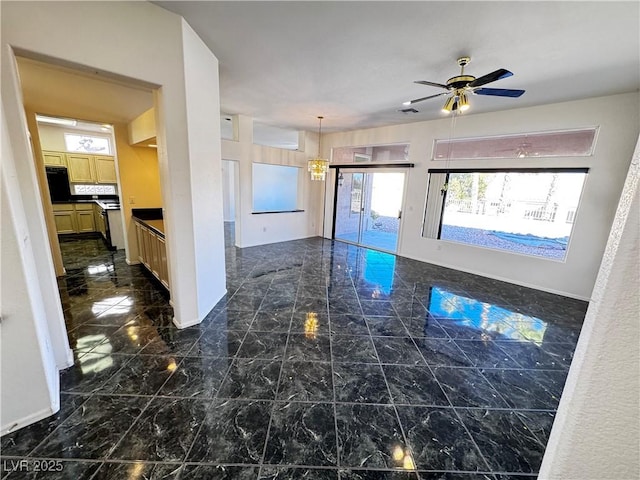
85,219
65,222
101,226
74,218
152,252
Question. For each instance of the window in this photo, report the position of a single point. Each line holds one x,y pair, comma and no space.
275,188
81,189
277,137
87,143
564,143
398,153
525,211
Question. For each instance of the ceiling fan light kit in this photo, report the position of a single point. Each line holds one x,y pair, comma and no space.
460,86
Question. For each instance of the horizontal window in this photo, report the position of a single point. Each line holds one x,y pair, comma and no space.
75,142
530,212
275,188
372,154
565,143
79,189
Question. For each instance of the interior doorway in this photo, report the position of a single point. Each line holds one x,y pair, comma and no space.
368,208
230,201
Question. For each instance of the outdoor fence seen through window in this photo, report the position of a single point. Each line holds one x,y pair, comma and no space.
530,213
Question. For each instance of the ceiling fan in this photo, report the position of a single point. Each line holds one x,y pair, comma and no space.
461,85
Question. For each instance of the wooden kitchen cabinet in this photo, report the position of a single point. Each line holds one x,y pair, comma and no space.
91,168
105,169
85,221
74,217
54,158
65,221
80,168
164,266
101,226
152,252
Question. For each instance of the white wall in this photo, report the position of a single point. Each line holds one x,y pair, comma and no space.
267,228
618,120
29,388
596,433
154,47
206,240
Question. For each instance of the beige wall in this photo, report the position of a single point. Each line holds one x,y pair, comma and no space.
251,230
139,178
618,119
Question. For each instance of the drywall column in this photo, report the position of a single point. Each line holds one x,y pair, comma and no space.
29,382
596,433
194,213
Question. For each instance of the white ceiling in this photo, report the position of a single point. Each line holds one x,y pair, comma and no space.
60,91
285,63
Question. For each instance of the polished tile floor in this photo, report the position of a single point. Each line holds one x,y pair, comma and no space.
324,361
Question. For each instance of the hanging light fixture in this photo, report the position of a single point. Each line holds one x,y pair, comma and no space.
319,166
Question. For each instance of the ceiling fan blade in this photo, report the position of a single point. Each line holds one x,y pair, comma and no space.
499,92
424,98
432,84
490,77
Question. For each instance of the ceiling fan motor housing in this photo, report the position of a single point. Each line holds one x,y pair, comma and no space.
460,81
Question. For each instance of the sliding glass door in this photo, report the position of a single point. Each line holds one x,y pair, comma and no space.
368,208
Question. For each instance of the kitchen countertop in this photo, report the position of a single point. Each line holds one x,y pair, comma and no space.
104,204
155,225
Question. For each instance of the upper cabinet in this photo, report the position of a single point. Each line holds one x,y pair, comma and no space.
54,158
80,168
105,169
85,168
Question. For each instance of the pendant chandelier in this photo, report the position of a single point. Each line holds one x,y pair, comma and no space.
319,166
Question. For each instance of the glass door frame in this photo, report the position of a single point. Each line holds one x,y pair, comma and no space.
365,169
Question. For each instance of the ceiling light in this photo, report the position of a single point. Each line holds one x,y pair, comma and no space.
407,103
318,166
463,102
448,106
67,122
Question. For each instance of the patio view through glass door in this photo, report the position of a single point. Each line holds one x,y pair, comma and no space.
368,209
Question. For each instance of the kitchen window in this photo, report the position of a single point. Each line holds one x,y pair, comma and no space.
81,189
75,142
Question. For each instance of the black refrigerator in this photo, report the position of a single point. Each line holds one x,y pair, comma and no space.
58,180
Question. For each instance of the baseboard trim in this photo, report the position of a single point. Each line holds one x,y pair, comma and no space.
29,419
68,361
182,325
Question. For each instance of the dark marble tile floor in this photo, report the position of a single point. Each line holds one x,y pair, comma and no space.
323,361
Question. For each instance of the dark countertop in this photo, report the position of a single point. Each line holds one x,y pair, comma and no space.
157,225
105,204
